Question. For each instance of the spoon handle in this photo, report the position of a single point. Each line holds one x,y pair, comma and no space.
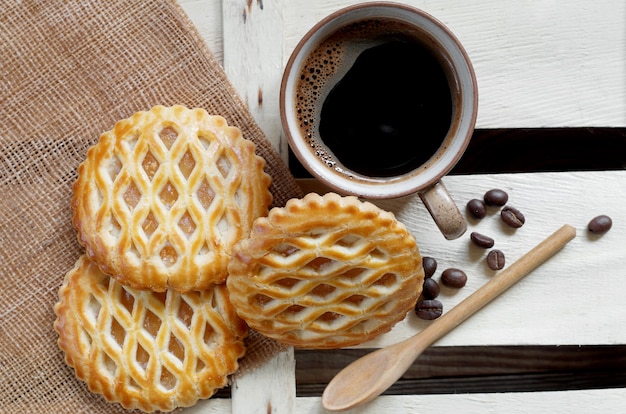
499,283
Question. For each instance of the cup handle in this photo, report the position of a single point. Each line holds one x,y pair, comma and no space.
444,211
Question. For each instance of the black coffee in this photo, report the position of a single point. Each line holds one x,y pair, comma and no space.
377,97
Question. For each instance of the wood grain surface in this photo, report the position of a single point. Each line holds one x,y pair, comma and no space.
552,82
538,64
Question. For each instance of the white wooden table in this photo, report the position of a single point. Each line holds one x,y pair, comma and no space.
539,64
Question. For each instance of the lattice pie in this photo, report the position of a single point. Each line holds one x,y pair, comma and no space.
147,350
162,198
325,272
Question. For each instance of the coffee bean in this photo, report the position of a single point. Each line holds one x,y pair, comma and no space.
430,289
430,266
481,240
496,197
495,259
512,216
600,224
454,278
428,309
476,208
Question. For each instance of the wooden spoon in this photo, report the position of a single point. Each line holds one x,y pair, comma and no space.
368,377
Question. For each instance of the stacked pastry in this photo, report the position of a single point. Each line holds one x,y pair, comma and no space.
144,317
182,255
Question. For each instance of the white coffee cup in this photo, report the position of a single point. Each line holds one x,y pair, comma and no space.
425,178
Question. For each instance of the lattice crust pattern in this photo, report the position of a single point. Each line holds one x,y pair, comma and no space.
325,272
161,198
143,349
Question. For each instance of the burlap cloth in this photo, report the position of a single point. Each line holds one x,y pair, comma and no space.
68,72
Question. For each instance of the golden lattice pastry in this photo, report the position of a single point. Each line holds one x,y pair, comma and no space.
325,272
162,198
147,350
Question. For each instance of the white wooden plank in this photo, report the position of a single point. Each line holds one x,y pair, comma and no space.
251,46
207,18
575,298
577,321
570,402
253,56
270,388
253,52
538,63
211,406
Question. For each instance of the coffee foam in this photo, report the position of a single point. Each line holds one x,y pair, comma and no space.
327,64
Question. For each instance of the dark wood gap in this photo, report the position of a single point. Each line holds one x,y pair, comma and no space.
542,382
481,369
495,151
